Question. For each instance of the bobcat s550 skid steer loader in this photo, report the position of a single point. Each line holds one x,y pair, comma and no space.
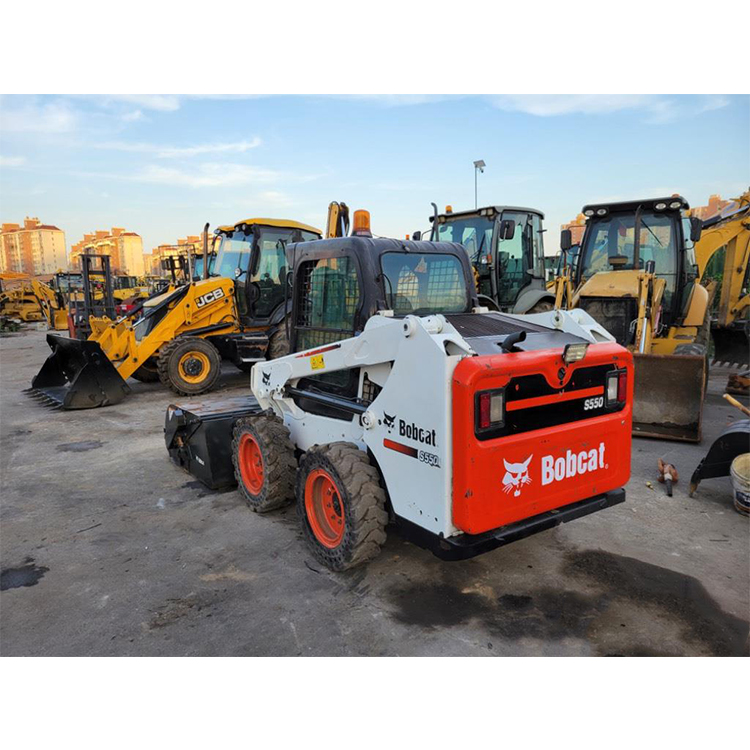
404,401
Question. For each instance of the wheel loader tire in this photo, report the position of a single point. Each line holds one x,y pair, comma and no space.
278,346
341,505
189,365
544,305
148,372
264,462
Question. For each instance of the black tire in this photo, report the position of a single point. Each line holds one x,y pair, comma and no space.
278,346
148,372
544,305
275,486
174,365
357,507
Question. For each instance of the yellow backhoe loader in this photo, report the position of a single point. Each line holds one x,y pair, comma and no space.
238,311
636,274
722,253
17,298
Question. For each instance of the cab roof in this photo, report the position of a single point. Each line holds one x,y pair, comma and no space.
285,223
631,206
494,209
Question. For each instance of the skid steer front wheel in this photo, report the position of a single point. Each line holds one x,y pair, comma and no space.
189,365
264,463
341,505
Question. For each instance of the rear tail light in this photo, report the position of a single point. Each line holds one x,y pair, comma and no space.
490,409
617,387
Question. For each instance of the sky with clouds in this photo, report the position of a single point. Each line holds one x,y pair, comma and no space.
163,165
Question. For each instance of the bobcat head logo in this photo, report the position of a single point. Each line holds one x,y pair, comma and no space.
516,475
389,421
266,378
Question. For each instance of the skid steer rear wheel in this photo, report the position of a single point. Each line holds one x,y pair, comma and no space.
341,505
264,463
189,365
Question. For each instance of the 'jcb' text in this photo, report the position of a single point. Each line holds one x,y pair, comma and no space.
207,299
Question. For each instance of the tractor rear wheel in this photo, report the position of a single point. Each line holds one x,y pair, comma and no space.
264,463
189,365
148,372
278,346
341,505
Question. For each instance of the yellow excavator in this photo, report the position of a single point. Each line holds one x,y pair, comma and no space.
722,254
637,275
236,311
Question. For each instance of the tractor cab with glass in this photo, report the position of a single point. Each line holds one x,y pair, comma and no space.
506,249
654,236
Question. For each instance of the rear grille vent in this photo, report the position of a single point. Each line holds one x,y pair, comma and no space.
490,324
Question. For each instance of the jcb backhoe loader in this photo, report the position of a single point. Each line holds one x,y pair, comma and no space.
404,401
636,274
722,253
180,336
506,249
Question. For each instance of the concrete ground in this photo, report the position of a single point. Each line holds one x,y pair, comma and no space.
109,549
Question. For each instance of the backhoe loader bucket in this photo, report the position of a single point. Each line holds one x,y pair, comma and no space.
731,345
668,397
77,375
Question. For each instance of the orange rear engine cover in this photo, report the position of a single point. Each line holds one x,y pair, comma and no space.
560,442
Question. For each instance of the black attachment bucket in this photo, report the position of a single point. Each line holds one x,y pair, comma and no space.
731,345
77,375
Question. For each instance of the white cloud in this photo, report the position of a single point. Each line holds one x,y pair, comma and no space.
12,161
544,105
136,114
169,152
158,102
206,175
30,117
656,109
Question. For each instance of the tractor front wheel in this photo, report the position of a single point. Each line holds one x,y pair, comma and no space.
189,365
341,505
264,463
148,372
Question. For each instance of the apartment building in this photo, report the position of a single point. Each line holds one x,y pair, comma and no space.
33,248
124,248
193,243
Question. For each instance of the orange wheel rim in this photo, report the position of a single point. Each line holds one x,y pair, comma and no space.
251,464
324,508
194,367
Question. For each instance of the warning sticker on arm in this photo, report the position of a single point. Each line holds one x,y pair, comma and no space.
317,362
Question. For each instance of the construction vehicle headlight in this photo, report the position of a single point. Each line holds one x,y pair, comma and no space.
617,387
601,211
660,206
675,204
574,352
588,212
490,409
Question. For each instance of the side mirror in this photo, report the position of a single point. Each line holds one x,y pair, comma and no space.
696,228
416,236
566,239
507,229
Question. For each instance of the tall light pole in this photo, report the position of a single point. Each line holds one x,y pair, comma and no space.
478,167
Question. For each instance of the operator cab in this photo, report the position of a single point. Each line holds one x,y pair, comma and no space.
631,235
254,253
505,247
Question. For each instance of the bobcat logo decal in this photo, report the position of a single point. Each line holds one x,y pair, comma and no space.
266,378
389,421
516,476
